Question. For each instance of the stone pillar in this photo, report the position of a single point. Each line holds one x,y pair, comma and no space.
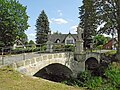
79,42
49,46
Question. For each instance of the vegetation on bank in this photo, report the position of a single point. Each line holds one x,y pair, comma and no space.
108,79
12,80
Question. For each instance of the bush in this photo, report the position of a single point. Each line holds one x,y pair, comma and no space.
94,82
99,47
58,47
25,50
73,82
69,48
84,76
43,48
113,74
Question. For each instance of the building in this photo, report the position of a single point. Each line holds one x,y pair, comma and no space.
67,39
111,44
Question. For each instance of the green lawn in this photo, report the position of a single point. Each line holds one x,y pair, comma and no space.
12,80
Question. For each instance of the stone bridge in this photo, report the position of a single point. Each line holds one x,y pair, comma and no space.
68,62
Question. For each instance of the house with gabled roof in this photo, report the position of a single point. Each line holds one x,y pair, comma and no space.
67,39
111,44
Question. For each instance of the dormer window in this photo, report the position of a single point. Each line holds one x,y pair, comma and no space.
69,41
57,41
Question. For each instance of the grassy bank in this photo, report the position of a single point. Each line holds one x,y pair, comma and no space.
12,80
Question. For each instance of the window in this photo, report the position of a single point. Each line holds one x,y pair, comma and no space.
58,41
69,41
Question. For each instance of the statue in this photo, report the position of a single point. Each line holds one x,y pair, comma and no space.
79,42
79,31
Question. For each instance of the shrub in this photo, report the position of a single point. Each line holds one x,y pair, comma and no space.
84,76
43,48
58,47
73,82
69,48
99,47
113,73
93,82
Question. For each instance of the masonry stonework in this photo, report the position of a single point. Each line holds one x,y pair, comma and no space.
33,65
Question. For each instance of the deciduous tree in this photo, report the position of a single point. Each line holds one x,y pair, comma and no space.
13,21
109,14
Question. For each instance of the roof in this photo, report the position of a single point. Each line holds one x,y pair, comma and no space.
112,41
61,37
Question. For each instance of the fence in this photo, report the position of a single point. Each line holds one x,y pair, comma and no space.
9,54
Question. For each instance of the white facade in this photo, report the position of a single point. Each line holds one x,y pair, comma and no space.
69,40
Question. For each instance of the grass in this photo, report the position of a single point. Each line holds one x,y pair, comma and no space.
13,80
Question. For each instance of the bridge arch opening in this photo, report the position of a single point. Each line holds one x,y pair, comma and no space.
54,72
91,63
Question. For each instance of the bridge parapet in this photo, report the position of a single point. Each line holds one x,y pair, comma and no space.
82,57
95,55
31,66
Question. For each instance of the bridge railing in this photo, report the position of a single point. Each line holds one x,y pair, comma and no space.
12,54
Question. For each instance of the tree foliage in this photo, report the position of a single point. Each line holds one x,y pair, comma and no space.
31,42
100,40
109,14
57,33
42,28
88,20
13,21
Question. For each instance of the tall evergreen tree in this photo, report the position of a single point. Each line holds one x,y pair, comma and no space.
109,14
88,20
42,28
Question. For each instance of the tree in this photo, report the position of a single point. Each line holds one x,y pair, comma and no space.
13,21
23,38
109,14
31,42
57,33
88,20
100,40
42,28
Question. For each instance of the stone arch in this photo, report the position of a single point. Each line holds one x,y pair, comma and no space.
54,72
91,63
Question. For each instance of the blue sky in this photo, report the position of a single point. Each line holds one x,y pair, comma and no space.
63,15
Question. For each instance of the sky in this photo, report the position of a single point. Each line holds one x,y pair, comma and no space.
62,15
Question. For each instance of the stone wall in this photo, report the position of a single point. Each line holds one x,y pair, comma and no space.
33,65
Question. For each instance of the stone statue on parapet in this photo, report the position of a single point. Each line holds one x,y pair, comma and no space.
79,33
79,41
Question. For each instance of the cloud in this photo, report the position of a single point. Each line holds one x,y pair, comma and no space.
50,21
31,34
59,21
60,12
74,28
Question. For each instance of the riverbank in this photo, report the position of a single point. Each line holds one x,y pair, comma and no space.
13,80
